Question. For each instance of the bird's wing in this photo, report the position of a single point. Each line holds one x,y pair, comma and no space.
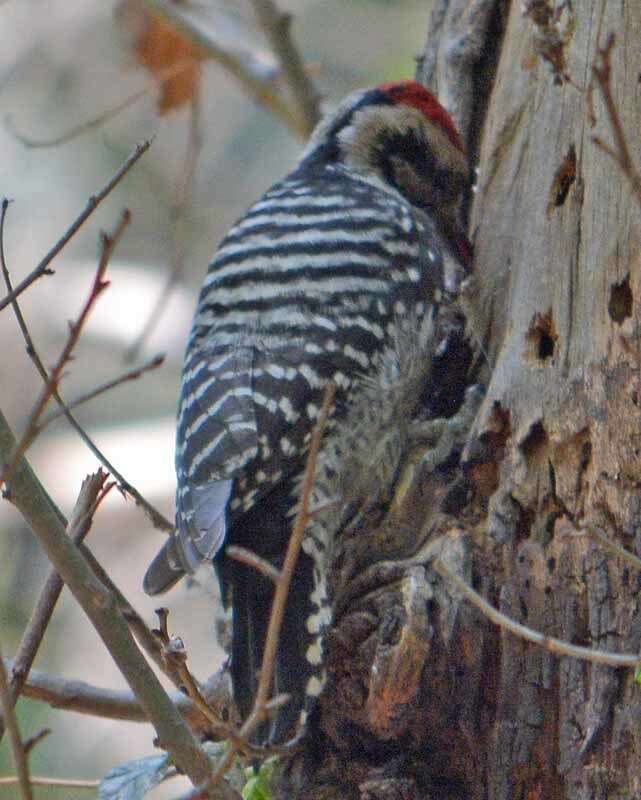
216,437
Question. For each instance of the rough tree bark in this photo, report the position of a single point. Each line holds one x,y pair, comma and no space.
558,261
426,698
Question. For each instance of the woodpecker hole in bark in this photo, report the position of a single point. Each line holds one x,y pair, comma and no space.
541,338
484,453
620,303
564,177
535,441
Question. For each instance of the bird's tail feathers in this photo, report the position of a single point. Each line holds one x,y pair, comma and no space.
201,526
253,595
165,570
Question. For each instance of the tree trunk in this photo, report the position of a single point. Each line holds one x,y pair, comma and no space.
558,262
427,698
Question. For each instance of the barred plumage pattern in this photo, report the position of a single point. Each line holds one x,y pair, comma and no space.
279,316
305,289
308,287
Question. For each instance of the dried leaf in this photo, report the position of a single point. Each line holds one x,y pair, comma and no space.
170,56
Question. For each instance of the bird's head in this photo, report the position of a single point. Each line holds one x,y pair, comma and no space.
400,133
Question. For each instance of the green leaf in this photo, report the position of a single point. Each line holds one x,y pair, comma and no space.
258,787
637,674
133,779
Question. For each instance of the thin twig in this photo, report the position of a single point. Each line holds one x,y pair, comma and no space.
40,513
250,558
262,704
599,535
182,196
98,121
77,130
41,780
219,38
75,329
84,698
131,375
277,28
619,660
34,741
17,748
92,492
92,204
287,570
219,726
157,519
262,90
137,625
175,653
620,153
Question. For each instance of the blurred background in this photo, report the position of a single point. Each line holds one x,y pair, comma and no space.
61,65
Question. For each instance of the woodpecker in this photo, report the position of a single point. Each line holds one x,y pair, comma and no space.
346,271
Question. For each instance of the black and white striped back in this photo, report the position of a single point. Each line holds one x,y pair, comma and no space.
344,272
306,288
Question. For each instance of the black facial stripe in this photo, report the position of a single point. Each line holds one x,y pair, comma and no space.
330,150
440,180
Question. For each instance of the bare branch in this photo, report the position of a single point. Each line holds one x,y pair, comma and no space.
131,375
158,520
182,195
221,40
75,329
77,130
619,660
277,28
34,741
98,121
27,494
218,726
137,625
253,560
17,747
171,649
43,781
92,204
91,494
620,153
257,82
176,655
84,698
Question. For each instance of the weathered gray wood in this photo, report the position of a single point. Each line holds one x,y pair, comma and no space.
563,343
426,698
